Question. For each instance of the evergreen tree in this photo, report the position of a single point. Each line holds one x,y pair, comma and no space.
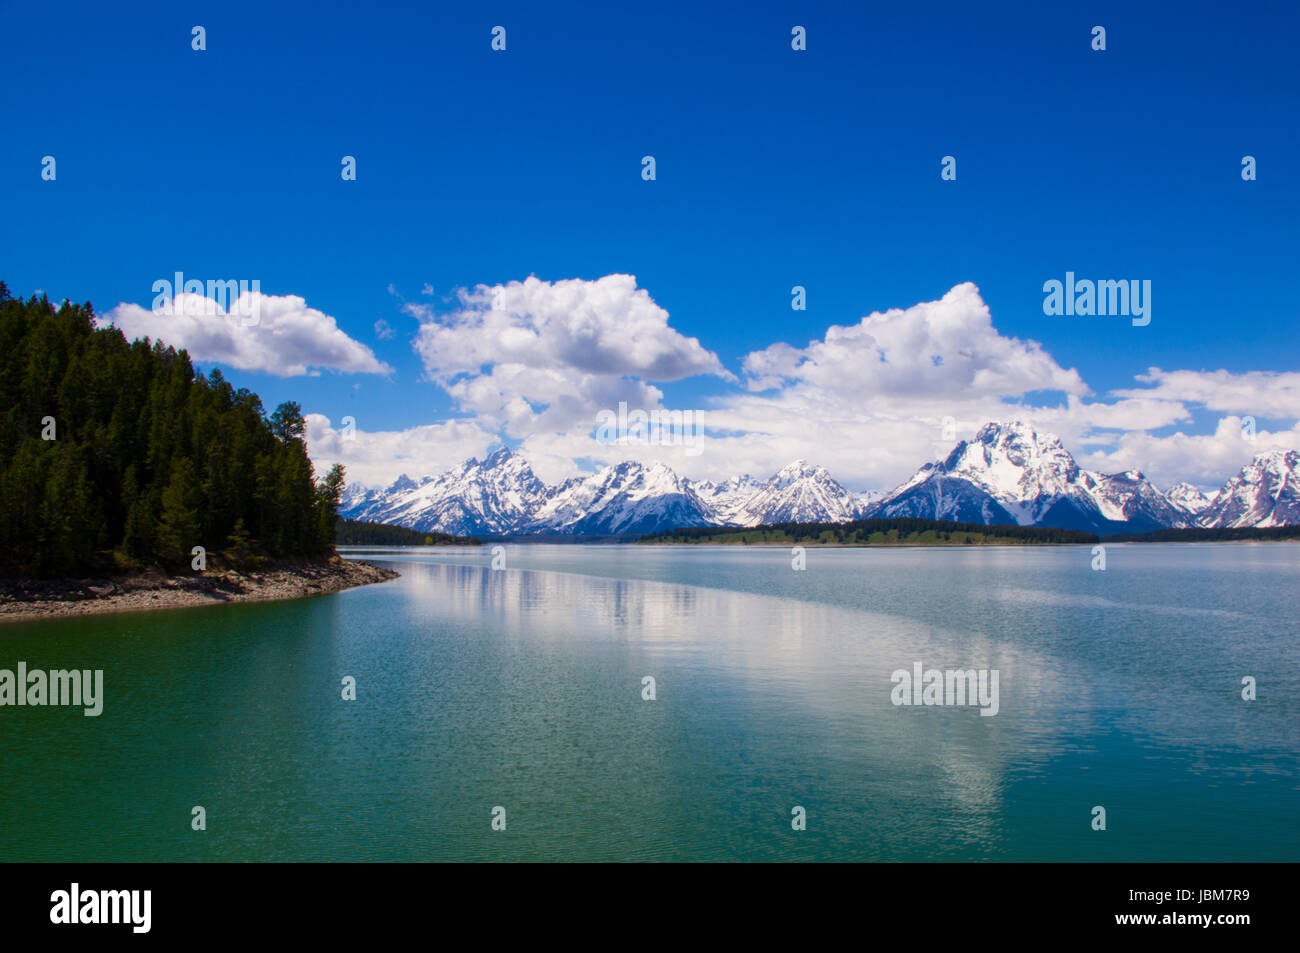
179,522
287,422
148,458
328,496
238,551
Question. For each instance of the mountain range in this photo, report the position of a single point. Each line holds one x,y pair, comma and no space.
1008,473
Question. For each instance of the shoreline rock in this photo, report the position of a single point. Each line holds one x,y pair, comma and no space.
22,600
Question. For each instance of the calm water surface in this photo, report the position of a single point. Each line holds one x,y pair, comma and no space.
522,688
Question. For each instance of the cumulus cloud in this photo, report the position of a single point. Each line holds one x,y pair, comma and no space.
944,348
536,361
377,458
537,354
275,334
868,400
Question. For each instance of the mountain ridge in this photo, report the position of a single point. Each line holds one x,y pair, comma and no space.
1008,473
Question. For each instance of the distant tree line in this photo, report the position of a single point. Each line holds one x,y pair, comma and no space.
851,532
364,533
1196,534
115,451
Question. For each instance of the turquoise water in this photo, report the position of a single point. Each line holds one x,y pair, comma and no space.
522,688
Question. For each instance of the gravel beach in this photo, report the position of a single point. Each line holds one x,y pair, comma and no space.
26,599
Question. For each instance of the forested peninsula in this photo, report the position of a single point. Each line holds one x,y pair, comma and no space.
116,458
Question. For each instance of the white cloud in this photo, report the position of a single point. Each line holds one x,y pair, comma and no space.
537,360
1204,460
868,400
377,458
1257,393
534,354
288,338
383,330
944,348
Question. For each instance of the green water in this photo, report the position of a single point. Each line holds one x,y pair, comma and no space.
522,688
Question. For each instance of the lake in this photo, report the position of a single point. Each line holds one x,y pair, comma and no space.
522,688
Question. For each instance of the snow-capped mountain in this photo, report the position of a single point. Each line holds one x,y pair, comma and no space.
624,499
725,500
799,493
355,496
475,499
1189,499
1131,499
502,496
1265,493
868,499
1009,473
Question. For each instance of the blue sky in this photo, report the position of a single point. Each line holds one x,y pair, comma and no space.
774,168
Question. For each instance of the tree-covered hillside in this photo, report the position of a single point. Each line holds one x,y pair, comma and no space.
115,448
364,533
905,531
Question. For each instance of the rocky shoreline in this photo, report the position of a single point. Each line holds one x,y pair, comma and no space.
26,599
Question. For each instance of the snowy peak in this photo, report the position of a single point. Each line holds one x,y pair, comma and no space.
1012,473
1187,498
1013,460
1008,473
798,470
1132,499
799,493
472,499
1280,465
1265,493
725,500
402,484
1019,472
1016,437
622,499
